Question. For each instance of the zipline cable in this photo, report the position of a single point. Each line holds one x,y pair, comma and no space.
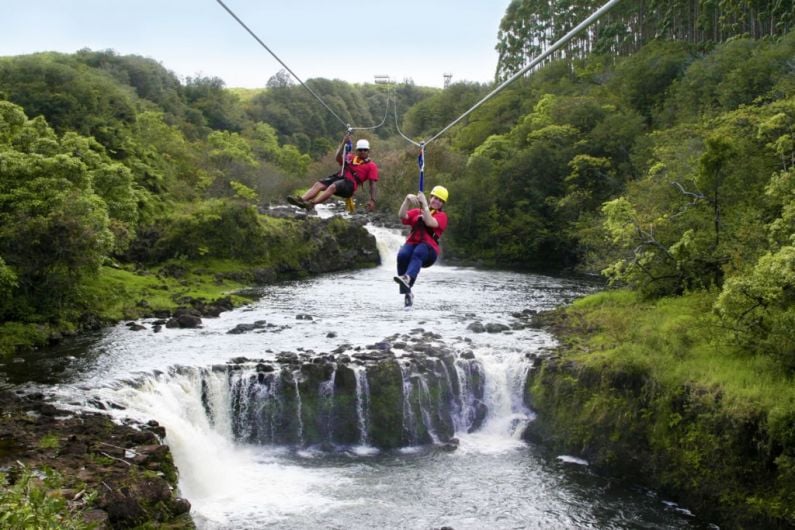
563,40
397,127
560,42
347,125
386,113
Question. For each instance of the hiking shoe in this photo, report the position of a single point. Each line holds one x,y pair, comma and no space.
296,201
408,300
404,282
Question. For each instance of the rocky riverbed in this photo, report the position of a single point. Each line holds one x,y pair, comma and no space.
127,465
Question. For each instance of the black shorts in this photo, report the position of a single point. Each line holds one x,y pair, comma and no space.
343,188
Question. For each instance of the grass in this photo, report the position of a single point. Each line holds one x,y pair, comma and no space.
122,293
49,441
681,341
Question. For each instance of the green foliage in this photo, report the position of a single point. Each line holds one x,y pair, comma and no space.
8,281
165,164
215,228
219,107
54,229
49,441
243,192
26,502
541,179
699,213
656,390
643,79
70,96
760,307
18,336
532,26
437,111
298,118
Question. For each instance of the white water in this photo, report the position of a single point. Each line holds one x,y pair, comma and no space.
493,480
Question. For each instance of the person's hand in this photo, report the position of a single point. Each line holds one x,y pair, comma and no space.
371,205
422,200
411,201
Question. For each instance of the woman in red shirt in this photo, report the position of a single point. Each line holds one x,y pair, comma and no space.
422,246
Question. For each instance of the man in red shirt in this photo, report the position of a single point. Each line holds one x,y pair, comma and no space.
422,246
357,169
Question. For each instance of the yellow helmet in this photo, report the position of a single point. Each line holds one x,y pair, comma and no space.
440,192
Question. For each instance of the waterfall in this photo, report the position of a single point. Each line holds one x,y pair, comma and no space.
327,405
425,404
409,423
362,403
299,406
418,400
472,407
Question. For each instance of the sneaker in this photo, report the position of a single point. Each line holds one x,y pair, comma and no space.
404,282
408,300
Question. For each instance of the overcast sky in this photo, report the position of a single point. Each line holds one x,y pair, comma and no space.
352,41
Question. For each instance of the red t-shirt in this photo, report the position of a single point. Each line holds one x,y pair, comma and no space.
420,234
359,171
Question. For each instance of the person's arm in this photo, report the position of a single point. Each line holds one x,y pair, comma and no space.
373,196
430,221
410,199
341,149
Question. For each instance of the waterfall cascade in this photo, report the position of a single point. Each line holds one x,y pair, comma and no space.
374,399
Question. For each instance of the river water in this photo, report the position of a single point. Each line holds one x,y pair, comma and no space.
492,481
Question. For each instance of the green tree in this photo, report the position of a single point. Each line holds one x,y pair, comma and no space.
54,230
759,308
221,108
70,96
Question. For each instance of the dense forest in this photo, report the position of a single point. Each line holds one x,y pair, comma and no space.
656,149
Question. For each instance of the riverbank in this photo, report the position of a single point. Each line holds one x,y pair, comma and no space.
298,246
656,392
60,470
75,470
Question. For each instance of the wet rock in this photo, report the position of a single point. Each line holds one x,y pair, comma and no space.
477,327
287,357
96,453
241,328
185,317
493,327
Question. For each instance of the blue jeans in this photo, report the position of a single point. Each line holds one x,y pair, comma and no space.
412,257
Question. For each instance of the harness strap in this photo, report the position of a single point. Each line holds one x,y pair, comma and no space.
421,163
428,230
348,149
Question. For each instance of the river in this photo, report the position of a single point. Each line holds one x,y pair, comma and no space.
493,480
